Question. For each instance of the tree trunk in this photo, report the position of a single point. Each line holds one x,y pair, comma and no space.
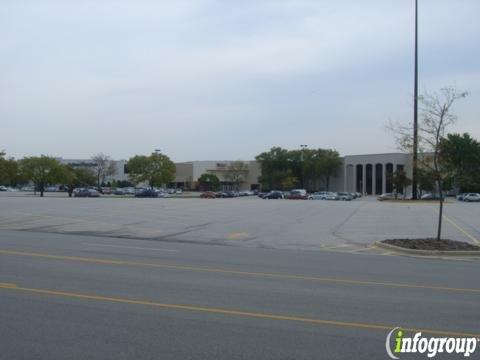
440,212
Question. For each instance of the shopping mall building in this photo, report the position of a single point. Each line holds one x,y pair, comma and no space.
367,174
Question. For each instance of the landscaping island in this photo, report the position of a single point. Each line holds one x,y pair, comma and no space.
432,244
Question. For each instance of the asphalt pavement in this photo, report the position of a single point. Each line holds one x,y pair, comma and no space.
71,296
244,222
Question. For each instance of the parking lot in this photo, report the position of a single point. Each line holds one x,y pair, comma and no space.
143,277
282,224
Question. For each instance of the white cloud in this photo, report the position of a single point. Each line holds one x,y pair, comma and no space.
190,70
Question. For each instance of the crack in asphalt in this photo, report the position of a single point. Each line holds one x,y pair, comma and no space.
337,228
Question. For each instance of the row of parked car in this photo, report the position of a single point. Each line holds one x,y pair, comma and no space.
4,188
137,192
296,194
467,197
301,194
226,194
395,196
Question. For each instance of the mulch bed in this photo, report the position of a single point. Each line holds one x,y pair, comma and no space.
432,244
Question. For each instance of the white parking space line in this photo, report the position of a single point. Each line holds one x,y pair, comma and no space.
130,247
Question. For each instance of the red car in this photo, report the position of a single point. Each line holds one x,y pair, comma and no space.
297,196
208,195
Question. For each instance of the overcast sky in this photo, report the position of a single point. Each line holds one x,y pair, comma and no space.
225,79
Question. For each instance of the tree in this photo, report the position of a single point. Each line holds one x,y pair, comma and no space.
460,155
103,167
425,180
41,171
400,182
307,167
237,173
73,177
156,169
8,170
435,118
209,182
290,182
124,184
274,167
330,162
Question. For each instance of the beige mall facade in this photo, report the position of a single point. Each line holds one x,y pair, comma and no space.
367,174
187,174
370,174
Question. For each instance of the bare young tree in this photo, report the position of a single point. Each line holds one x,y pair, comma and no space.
103,167
237,173
435,118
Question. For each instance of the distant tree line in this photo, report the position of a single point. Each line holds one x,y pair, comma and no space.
43,171
311,169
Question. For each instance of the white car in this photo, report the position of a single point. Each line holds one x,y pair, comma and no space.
3,188
323,195
471,197
299,191
386,196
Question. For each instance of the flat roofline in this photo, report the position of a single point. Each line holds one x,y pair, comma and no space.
377,154
199,161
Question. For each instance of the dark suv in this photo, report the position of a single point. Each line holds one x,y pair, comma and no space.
274,195
147,193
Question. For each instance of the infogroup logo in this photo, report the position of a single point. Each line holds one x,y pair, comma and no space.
432,346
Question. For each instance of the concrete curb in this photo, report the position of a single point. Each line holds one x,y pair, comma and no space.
398,249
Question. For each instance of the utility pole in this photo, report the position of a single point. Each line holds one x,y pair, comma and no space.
415,112
303,147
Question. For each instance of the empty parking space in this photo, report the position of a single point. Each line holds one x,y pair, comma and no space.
284,224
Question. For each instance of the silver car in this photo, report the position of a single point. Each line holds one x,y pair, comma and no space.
471,197
386,196
323,195
344,196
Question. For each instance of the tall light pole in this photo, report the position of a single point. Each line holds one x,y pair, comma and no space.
303,147
415,112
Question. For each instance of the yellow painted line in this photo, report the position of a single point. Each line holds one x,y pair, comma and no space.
414,202
461,230
232,312
361,250
7,285
235,272
237,236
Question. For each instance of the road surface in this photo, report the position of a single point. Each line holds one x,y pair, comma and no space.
89,297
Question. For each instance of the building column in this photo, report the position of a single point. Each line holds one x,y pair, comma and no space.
345,178
354,185
374,179
364,179
384,178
